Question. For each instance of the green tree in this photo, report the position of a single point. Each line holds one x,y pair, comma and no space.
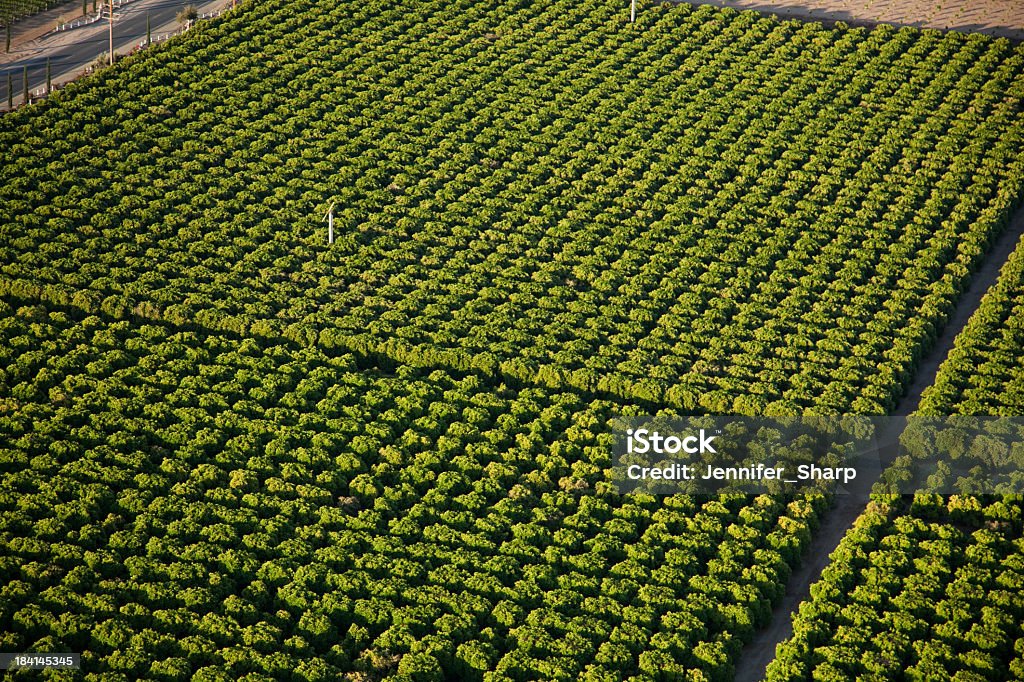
475,657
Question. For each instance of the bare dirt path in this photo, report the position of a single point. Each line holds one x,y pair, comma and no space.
759,653
1004,18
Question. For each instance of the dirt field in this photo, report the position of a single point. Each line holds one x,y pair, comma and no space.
996,17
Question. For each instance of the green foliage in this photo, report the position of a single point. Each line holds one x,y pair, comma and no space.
717,211
231,451
981,374
932,592
10,10
269,509
930,606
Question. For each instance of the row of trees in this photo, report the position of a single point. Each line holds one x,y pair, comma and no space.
980,375
679,216
905,596
931,588
176,503
676,215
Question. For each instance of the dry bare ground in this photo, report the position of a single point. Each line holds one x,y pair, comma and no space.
1004,18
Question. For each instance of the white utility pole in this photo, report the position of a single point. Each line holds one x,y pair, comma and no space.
329,217
632,11
111,32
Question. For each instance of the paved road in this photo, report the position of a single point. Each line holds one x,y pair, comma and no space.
71,51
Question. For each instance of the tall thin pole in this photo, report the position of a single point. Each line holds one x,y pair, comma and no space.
111,32
149,34
632,11
24,83
48,88
10,90
330,224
